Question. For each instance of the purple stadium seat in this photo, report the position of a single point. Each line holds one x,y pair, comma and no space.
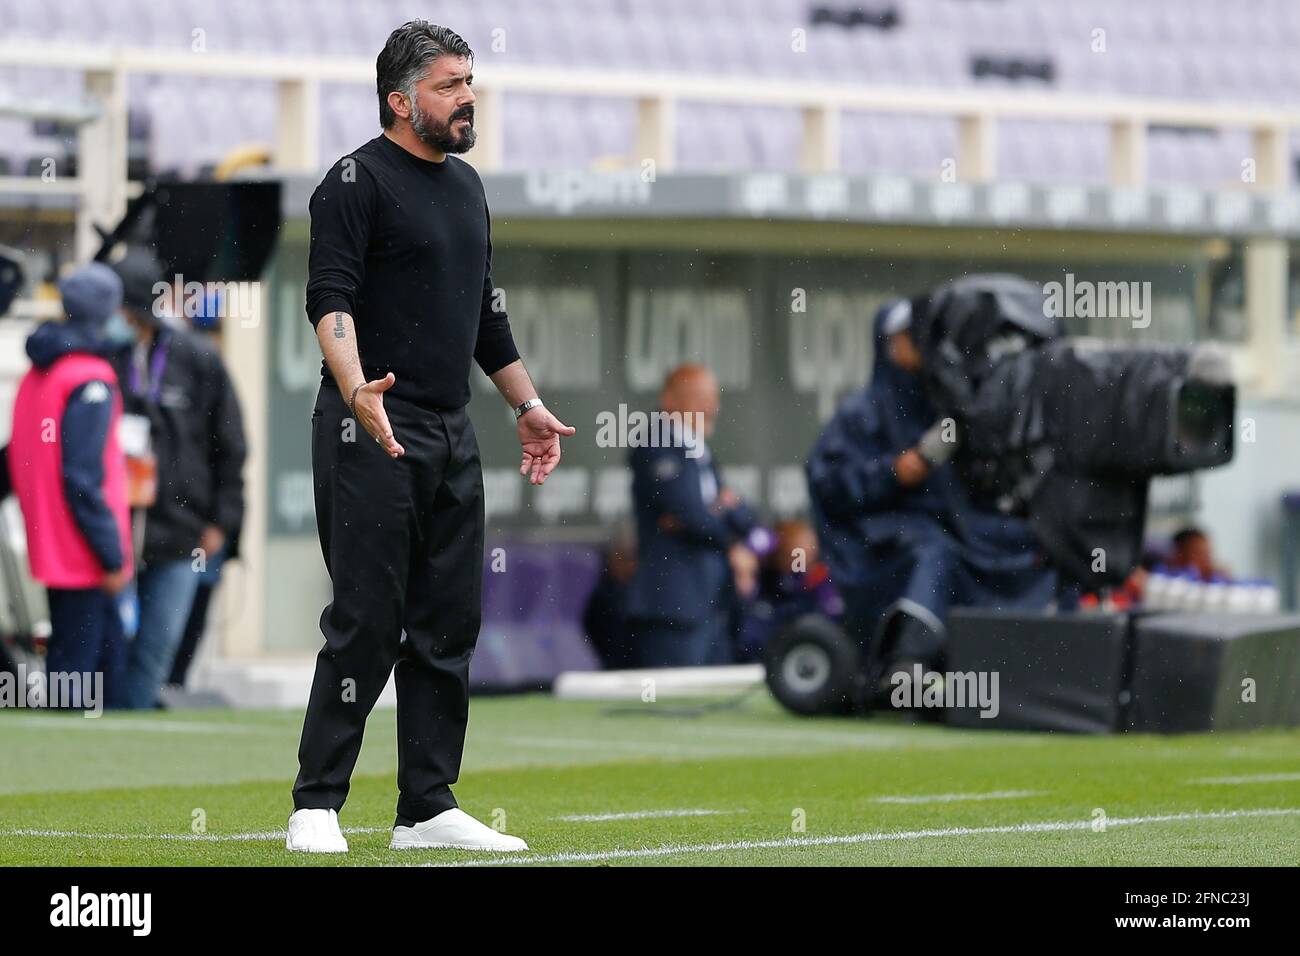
1158,48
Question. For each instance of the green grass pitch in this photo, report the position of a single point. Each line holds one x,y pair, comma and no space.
646,784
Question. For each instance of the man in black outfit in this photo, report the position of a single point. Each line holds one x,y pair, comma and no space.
400,292
174,380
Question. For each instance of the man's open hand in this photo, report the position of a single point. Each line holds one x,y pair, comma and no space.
368,407
539,436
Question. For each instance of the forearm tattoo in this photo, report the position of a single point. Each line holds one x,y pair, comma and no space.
339,331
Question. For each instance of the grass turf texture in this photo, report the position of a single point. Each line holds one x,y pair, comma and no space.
125,789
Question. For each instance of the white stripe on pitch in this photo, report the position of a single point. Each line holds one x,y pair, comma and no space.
1256,778
678,849
958,797
143,724
642,815
580,745
265,835
790,843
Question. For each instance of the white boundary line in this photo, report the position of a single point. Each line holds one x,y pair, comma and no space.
855,838
628,747
137,725
683,848
265,835
1256,778
642,815
958,797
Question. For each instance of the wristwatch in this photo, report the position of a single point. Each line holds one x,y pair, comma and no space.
526,406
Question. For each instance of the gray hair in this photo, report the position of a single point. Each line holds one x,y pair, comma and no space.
407,55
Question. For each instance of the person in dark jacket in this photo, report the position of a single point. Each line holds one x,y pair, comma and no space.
174,381
693,537
207,323
902,535
604,619
66,467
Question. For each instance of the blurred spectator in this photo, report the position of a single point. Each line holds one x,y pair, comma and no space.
206,322
1192,552
903,537
66,466
692,536
605,619
792,582
175,384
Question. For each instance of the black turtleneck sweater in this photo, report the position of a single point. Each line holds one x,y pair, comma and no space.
403,245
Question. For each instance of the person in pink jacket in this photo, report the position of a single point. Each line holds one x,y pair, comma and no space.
66,467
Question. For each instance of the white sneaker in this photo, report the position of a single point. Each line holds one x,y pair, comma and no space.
454,829
315,831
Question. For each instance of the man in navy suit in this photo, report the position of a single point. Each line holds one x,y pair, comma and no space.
693,534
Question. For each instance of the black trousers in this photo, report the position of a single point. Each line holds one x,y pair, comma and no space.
403,542
86,637
195,625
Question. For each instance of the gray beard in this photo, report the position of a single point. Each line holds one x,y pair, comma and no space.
440,135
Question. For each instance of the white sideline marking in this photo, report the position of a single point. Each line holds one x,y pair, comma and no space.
642,815
955,797
774,736
853,838
581,744
78,722
847,738
676,849
182,837
1256,778
861,738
